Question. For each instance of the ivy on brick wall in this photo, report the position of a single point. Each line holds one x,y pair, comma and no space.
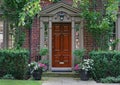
20,14
99,19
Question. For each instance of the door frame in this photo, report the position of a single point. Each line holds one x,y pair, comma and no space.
51,15
50,21
70,57
72,48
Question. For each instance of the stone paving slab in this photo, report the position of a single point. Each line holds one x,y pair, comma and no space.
70,81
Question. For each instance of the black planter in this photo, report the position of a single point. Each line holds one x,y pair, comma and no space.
84,75
37,74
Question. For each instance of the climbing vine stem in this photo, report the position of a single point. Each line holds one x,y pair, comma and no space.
99,19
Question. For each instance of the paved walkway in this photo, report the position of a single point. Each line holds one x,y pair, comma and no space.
69,81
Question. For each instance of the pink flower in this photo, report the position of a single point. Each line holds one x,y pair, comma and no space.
42,65
77,67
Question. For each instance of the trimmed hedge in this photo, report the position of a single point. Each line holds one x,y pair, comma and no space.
111,80
106,63
14,62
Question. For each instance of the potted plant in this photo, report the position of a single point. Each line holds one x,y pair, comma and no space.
36,69
84,67
43,51
79,54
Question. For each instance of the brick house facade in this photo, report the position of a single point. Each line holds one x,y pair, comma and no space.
62,37
35,39
51,14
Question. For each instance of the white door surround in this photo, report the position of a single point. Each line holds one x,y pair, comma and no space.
52,14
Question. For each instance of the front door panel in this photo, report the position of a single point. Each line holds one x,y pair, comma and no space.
61,45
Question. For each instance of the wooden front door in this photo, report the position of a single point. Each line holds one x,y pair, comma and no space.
61,45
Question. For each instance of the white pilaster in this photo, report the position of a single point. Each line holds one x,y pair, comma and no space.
5,34
81,36
41,33
73,40
118,31
50,43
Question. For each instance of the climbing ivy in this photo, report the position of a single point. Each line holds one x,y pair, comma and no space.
20,14
99,20
30,9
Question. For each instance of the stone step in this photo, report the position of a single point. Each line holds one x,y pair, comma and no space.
60,74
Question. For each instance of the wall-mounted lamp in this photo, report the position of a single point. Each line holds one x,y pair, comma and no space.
61,16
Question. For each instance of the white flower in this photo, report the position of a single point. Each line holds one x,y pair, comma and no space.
87,64
29,65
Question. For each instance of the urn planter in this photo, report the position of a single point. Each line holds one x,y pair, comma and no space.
37,74
84,75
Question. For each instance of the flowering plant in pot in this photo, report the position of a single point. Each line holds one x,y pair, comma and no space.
84,67
43,51
79,54
36,69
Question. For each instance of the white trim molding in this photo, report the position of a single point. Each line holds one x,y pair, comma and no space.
61,69
50,15
118,31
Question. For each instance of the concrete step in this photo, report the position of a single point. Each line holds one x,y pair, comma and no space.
60,74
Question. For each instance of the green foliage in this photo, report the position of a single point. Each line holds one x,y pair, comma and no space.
43,51
20,11
8,76
46,62
106,63
12,8
19,37
14,62
114,43
79,55
30,9
111,80
99,22
20,14
20,82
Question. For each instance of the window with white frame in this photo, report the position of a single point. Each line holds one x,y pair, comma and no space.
113,40
77,35
1,34
11,40
46,35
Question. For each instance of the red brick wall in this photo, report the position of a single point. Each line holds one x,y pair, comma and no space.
35,38
45,3
88,41
26,42
35,34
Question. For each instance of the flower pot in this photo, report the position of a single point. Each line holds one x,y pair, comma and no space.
84,75
37,74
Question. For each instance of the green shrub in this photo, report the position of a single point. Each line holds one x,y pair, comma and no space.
106,63
79,55
14,62
43,51
110,80
8,76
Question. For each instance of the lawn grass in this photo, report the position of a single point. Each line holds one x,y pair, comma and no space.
20,82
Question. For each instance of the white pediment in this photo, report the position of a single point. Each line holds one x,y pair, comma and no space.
60,6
